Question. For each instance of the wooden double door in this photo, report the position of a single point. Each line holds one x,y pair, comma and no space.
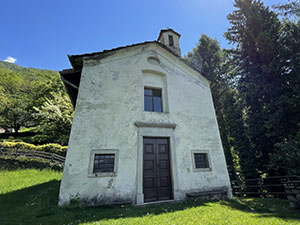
157,183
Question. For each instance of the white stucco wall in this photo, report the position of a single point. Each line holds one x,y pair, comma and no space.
110,102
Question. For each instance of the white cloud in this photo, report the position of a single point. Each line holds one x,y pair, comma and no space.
10,59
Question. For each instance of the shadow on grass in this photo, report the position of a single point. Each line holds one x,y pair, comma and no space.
264,207
38,205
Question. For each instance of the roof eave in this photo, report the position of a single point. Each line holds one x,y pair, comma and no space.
77,60
169,29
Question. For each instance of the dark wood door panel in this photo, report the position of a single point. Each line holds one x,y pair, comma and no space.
149,168
156,175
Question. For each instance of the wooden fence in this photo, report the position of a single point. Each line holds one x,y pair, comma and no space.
52,157
287,187
264,186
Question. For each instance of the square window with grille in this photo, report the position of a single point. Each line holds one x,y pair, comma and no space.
201,160
104,163
152,100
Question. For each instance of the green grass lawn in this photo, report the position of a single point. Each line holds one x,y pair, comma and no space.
30,197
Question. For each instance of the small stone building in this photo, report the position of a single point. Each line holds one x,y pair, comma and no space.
144,127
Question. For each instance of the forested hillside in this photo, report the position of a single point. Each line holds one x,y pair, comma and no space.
27,73
35,99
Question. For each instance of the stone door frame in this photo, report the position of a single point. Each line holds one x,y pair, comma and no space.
155,130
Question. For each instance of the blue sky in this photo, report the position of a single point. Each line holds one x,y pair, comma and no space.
40,33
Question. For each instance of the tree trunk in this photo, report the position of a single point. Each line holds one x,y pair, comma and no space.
17,128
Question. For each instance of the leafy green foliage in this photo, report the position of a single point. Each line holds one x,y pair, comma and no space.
287,115
51,148
55,117
14,110
289,9
267,62
208,59
286,158
255,87
34,98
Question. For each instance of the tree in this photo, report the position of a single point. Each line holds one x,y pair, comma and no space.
286,158
208,58
289,9
287,151
290,78
3,99
23,89
255,32
267,56
15,112
55,119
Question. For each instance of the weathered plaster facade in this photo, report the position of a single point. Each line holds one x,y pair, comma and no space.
109,115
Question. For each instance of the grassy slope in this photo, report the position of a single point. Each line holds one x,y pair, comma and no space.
30,197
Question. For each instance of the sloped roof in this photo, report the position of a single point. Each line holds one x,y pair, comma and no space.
76,60
71,77
169,29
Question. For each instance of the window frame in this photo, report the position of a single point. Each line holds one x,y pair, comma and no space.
161,98
207,152
91,174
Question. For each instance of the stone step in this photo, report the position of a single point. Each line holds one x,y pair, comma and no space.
206,193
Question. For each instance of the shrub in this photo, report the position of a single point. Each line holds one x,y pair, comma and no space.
286,157
51,148
17,145
9,163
